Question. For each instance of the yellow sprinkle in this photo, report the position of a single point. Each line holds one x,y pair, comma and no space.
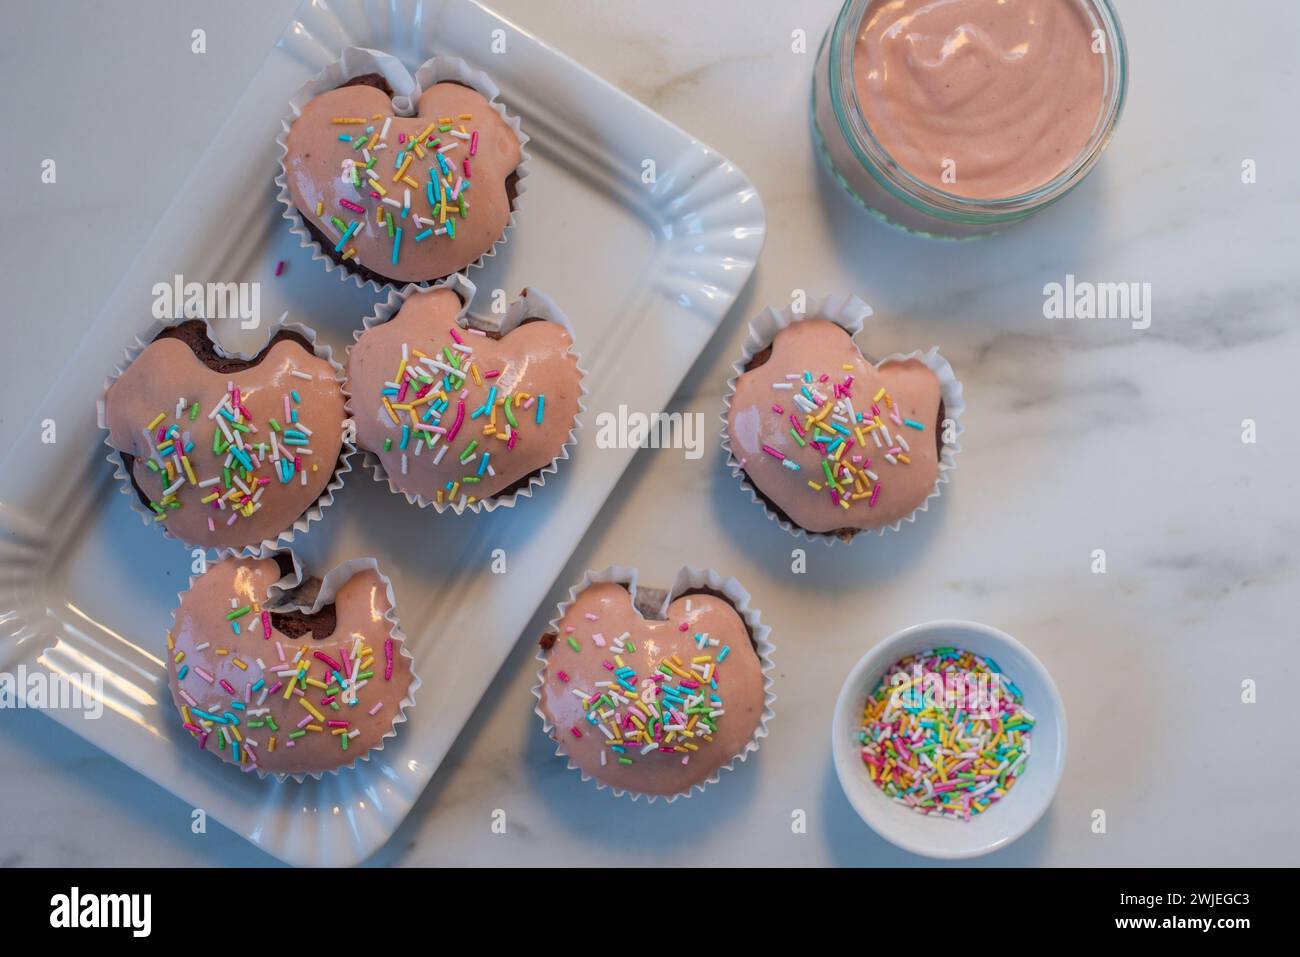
401,170
317,683
478,380
348,119
311,709
271,746
903,458
352,251
814,486
410,182
239,664
171,642
180,656
320,208
391,414
876,397
314,727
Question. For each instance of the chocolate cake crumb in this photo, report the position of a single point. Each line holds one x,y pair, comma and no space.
295,624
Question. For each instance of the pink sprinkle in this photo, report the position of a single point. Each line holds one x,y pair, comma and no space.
608,665
337,724
514,437
275,687
230,690
388,659
204,675
304,722
328,660
232,519
266,625
491,375
773,452
347,665
598,639
401,138
590,617
576,732
563,676
465,166
778,410
374,195
683,627
279,267
473,143
460,418
459,340
797,427
355,207
375,710
875,493
212,526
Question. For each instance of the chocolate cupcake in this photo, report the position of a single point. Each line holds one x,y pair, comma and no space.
651,692
223,450
286,677
460,412
399,179
829,442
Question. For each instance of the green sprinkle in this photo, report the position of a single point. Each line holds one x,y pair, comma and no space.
238,613
574,644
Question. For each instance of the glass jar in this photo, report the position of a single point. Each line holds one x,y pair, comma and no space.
862,166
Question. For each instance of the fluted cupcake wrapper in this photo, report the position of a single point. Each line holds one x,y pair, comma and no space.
847,312
687,579
300,525
532,304
280,596
358,61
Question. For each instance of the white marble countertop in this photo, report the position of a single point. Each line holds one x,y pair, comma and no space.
1082,435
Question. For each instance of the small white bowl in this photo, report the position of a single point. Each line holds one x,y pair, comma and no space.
1005,820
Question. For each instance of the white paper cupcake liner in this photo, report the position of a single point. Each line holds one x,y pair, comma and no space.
532,304
847,312
300,525
358,61
280,597
688,579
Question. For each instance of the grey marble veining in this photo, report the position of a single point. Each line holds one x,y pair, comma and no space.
1081,435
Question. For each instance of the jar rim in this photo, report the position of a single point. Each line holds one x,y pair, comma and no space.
938,203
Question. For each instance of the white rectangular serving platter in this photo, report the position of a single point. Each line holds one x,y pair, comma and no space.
645,271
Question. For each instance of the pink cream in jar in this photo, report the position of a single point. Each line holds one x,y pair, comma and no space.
958,117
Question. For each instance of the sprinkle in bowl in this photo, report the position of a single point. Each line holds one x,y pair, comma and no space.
1003,821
